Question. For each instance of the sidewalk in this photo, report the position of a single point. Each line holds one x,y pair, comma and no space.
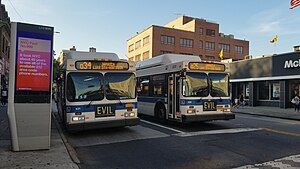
55,158
269,112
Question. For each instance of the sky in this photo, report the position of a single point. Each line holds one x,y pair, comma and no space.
106,25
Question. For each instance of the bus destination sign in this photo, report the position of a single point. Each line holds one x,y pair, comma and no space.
101,65
206,66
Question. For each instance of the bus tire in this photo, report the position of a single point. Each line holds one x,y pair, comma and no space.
160,112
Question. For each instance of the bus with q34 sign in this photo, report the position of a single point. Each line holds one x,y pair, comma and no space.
96,90
184,89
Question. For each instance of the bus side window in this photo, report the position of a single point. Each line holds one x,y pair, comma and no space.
158,83
143,86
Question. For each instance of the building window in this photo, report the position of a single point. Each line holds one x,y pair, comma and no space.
263,90
167,40
200,44
243,88
130,48
210,45
201,31
210,32
146,55
138,44
131,59
137,58
209,57
146,40
239,49
268,90
165,51
225,47
186,42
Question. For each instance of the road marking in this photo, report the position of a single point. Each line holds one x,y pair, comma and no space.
278,163
282,132
223,131
161,126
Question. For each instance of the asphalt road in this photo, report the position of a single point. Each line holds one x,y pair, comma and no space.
246,140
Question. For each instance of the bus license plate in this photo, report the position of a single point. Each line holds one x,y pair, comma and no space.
104,111
209,106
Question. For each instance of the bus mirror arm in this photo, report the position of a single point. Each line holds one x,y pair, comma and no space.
183,73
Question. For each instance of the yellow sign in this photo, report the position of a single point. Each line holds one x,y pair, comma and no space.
209,106
206,66
101,65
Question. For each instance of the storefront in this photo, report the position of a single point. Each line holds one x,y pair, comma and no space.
267,81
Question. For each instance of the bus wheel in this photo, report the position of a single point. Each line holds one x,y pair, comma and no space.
160,113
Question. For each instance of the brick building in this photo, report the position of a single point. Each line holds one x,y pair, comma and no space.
186,35
4,46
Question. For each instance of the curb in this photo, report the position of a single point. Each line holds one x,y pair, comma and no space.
68,146
264,115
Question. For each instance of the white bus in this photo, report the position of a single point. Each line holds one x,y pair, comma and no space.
184,89
96,90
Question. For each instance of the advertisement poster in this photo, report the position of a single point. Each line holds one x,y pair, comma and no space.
276,90
33,71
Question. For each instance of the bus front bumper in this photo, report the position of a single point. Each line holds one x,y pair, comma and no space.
207,117
102,124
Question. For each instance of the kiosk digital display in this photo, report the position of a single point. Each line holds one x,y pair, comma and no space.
33,63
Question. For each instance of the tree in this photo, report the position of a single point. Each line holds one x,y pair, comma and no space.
55,69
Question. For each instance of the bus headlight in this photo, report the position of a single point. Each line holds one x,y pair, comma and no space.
129,114
78,118
191,111
132,114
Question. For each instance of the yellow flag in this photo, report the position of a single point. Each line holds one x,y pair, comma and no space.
275,39
221,54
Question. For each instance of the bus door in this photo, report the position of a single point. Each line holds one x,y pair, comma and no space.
173,95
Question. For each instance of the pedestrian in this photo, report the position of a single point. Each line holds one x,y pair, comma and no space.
236,103
296,102
4,97
241,99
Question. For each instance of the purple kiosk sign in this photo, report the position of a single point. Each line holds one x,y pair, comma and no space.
30,86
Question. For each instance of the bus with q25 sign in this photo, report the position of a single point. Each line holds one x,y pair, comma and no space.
96,90
182,88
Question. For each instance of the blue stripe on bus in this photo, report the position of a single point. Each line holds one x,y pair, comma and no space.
91,108
151,99
200,102
183,101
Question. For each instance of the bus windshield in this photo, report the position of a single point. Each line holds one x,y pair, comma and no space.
195,85
84,86
120,86
219,85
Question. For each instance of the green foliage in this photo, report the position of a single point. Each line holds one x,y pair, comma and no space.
55,69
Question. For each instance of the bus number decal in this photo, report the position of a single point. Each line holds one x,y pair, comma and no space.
209,106
104,111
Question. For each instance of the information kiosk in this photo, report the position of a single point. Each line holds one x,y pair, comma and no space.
29,102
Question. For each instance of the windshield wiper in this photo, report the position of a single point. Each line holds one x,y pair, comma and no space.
89,103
